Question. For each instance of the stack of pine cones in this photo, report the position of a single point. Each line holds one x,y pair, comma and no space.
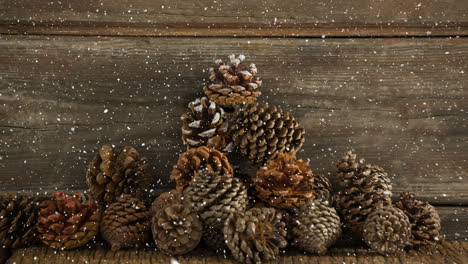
213,203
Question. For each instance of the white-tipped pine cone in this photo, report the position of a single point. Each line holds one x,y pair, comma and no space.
205,125
232,84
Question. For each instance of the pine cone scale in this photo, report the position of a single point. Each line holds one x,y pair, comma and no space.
126,223
214,196
262,131
110,174
67,222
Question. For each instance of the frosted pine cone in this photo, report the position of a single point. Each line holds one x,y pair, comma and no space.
206,125
424,219
262,131
361,189
176,229
285,182
195,159
214,197
315,227
110,174
126,223
232,84
67,222
18,215
386,230
256,235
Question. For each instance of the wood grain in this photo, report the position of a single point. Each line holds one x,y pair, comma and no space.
228,18
400,103
453,252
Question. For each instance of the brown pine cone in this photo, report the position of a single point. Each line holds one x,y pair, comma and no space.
262,131
315,227
424,219
233,84
110,174
323,189
176,229
18,215
195,159
172,196
206,125
67,222
361,189
386,230
256,235
285,182
214,197
126,223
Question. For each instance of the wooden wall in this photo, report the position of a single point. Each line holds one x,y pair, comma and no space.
388,79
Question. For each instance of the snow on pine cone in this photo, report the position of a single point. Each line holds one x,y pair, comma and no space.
126,223
18,216
315,226
232,84
214,197
68,222
110,174
361,189
261,131
206,125
176,229
386,230
285,182
256,235
424,219
195,159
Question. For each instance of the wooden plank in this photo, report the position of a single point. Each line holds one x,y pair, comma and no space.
227,18
444,253
454,221
400,103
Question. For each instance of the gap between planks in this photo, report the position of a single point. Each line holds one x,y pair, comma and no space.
260,30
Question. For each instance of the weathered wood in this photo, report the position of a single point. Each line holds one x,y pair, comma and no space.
453,252
454,221
228,18
400,103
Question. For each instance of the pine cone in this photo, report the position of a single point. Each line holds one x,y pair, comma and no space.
285,183
17,221
315,227
195,159
255,235
323,189
67,222
233,84
424,219
206,125
386,230
214,197
176,230
362,189
262,131
126,223
170,197
109,175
